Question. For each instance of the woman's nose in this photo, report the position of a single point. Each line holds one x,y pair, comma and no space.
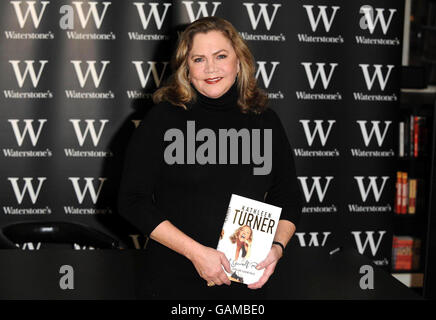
210,67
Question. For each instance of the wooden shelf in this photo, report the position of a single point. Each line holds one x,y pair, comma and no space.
416,97
430,89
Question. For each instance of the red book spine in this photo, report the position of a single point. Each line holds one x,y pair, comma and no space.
404,193
411,136
398,194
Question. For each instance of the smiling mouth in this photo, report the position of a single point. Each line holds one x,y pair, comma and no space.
213,80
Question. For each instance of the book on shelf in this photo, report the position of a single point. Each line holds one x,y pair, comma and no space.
399,189
247,235
416,253
402,196
402,253
413,136
405,253
401,126
412,196
404,193
407,197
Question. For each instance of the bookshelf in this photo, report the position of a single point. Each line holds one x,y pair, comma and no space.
421,36
417,102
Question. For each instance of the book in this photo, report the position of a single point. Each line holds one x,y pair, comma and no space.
402,252
246,237
399,188
404,193
411,136
412,196
406,253
407,137
415,136
401,140
416,253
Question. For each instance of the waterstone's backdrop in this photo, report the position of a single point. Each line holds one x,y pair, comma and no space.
77,77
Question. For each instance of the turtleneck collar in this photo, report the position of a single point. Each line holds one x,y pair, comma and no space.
227,101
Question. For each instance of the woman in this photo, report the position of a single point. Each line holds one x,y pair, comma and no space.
178,194
242,238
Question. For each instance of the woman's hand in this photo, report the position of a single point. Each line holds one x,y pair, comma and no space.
209,262
269,264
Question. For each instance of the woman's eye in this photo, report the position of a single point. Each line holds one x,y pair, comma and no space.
222,56
198,59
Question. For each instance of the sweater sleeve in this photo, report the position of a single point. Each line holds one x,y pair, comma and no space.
143,160
284,191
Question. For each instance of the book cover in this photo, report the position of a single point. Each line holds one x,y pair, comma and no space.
247,235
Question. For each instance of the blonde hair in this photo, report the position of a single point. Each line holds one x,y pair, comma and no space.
178,90
235,235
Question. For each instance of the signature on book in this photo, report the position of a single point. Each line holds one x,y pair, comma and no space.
247,264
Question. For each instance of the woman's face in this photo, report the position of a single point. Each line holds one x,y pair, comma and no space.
244,234
213,64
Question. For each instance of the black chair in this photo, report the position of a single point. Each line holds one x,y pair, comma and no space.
55,234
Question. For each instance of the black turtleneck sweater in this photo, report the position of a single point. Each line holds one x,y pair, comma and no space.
194,197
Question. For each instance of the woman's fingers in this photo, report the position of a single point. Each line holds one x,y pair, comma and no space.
259,284
224,278
210,267
268,260
264,278
225,263
272,256
269,264
219,279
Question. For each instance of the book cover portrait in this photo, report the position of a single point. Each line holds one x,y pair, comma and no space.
247,236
